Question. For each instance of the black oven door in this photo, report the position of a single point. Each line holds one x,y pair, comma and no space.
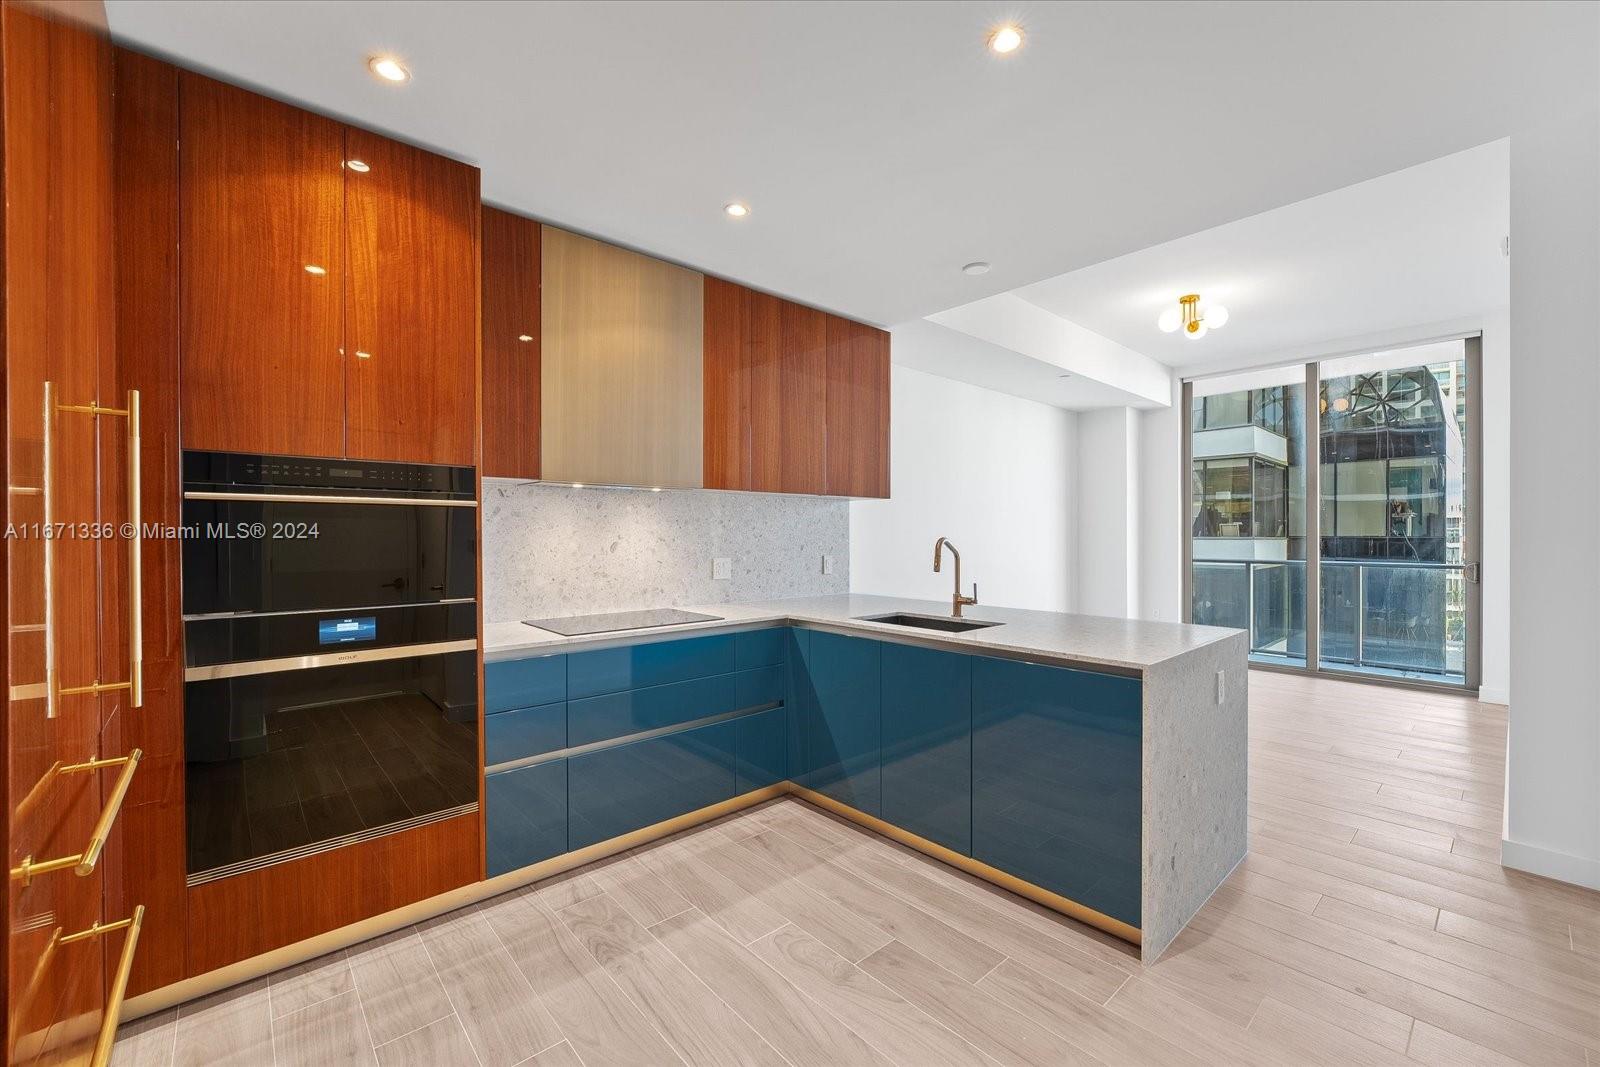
292,754
253,552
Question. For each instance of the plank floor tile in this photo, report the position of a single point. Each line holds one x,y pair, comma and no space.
1371,924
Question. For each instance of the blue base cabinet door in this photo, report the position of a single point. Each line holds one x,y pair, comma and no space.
843,733
525,816
927,744
618,790
1057,766
763,755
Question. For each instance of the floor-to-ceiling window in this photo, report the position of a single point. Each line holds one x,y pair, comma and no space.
1246,512
1383,544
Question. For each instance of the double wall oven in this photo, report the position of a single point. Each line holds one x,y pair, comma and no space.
330,625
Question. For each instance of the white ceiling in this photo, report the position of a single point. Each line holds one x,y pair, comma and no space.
879,144
1419,246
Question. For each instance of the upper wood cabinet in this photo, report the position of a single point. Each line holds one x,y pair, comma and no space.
326,310
262,267
620,361
510,345
411,311
858,409
797,400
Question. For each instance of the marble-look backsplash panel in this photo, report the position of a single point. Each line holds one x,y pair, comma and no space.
551,550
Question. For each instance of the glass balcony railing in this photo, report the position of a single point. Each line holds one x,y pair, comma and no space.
1392,618
1266,598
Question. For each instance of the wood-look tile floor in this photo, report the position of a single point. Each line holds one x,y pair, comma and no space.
1371,923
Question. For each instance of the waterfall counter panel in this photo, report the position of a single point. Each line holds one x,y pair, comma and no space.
1188,686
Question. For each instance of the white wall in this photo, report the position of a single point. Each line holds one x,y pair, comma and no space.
992,472
1494,423
1553,768
1108,512
1161,510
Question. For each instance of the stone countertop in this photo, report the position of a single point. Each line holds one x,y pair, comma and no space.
1093,640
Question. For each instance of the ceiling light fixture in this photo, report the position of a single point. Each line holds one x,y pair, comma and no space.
975,268
1194,320
389,69
735,210
1005,39
357,165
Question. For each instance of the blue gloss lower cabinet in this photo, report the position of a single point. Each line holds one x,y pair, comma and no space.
1056,771
632,711
763,750
927,744
622,789
842,732
613,670
524,683
525,815
512,735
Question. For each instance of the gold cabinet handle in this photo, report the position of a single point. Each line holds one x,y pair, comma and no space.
83,863
135,683
119,982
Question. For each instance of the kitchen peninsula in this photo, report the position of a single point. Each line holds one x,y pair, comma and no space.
1095,765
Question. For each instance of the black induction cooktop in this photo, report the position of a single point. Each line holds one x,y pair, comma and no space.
579,625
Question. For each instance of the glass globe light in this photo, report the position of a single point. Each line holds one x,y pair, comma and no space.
1215,316
1170,320
1198,331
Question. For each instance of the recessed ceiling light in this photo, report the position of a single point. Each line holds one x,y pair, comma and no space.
577,485
312,268
389,69
975,268
524,337
357,165
1005,39
735,210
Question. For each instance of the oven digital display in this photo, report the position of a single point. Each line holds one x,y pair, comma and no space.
347,631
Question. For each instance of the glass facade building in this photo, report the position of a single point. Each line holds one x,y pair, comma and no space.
1390,472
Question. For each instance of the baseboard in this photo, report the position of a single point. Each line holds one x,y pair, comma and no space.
1548,863
1494,695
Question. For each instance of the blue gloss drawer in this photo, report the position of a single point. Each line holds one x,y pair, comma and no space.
613,670
764,685
620,714
524,683
509,735
759,648
525,817
618,790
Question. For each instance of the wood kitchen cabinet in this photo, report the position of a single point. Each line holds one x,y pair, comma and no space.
857,409
327,310
511,393
796,400
261,268
411,303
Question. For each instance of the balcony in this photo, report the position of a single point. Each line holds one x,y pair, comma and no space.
1398,619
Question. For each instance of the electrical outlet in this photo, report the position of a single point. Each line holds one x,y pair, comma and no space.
721,568
1222,688
827,564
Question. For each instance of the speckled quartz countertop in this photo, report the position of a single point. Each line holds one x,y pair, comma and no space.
1127,644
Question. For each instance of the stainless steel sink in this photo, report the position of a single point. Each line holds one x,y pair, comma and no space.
929,622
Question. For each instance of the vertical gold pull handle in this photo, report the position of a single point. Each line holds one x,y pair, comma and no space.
119,982
52,684
135,683
135,559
